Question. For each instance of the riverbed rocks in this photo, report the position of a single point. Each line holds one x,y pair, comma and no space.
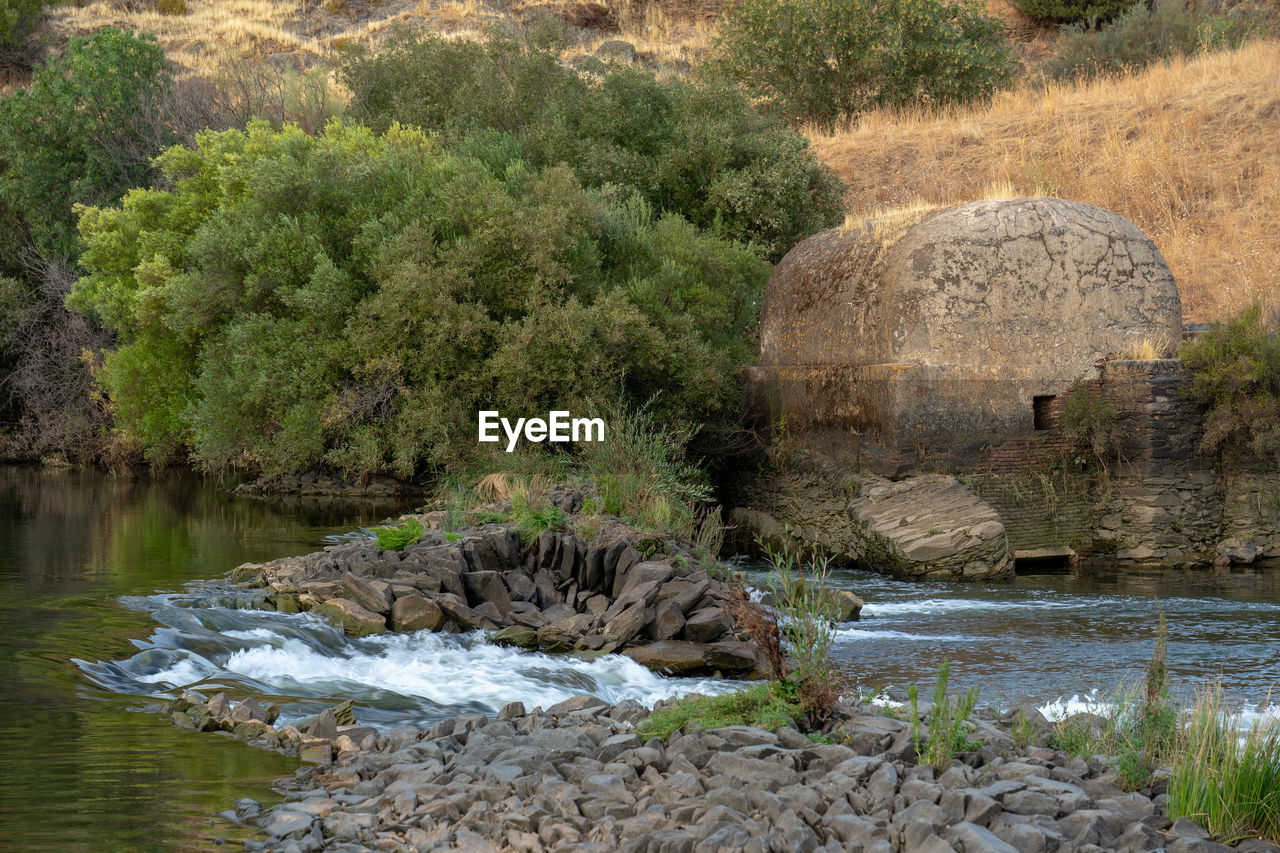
589,592
579,776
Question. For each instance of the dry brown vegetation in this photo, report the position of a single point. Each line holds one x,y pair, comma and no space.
1188,151
210,32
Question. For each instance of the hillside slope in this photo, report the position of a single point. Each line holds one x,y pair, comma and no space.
1190,152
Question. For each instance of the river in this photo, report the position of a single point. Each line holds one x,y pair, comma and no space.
112,594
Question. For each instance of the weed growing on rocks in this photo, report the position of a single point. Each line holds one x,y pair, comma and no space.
949,725
1225,777
398,536
801,598
766,706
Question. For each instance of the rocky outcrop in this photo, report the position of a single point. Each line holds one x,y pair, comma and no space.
565,591
578,776
930,527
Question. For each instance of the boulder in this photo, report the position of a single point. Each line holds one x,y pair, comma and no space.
643,573
623,627
487,586
841,605
677,656
704,626
667,621
1238,551
415,613
456,609
374,596
355,620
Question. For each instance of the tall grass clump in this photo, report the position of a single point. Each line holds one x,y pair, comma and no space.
949,724
641,471
397,536
1225,776
533,514
800,597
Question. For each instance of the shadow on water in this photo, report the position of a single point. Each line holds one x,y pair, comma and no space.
80,768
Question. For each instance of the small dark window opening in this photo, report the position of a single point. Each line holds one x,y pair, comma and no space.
1040,407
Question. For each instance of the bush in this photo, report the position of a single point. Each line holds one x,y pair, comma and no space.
353,300
1092,422
1090,12
695,149
808,634
1138,38
84,131
17,19
1235,374
827,60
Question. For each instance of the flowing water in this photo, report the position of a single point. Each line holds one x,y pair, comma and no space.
112,594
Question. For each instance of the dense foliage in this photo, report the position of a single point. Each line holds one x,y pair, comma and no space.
827,60
83,132
353,298
1235,373
17,20
1140,37
696,149
1071,11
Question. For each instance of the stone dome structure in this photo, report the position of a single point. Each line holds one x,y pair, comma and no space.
934,330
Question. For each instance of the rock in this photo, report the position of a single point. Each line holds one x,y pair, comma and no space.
318,753
415,613
970,838
651,571
668,620
1185,827
617,49
626,625
487,587
841,605
679,656
325,725
705,626
219,705
249,709
1239,551
576,703
374,596
768,774
355,620
590,15
518,636
456,609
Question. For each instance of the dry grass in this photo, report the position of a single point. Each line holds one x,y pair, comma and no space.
1187,151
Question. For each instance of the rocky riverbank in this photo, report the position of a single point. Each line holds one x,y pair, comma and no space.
587,590
578,776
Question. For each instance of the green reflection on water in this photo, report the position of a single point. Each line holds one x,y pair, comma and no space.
82,769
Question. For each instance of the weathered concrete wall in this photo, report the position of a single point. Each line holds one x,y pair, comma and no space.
934,333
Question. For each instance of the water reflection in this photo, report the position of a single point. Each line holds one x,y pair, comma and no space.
80,768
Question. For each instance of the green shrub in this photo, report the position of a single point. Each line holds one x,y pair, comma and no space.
535,515
697,149
824,61
769,706
1092,422
353,300
1071,11
800,597
17,19
949,725
1138,38
399,536
81,133
1235,374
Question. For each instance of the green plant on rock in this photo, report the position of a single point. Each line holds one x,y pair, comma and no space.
768,706
949,724
399,536
534,515
1235,375
800,598
824,61
1092,422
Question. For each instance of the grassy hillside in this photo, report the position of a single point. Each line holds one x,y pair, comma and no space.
201,35
1187,151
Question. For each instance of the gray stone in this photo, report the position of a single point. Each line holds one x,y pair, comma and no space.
374,596
415,613
667,622
622,628
705,626
970,838
768,774
355,620
489,587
